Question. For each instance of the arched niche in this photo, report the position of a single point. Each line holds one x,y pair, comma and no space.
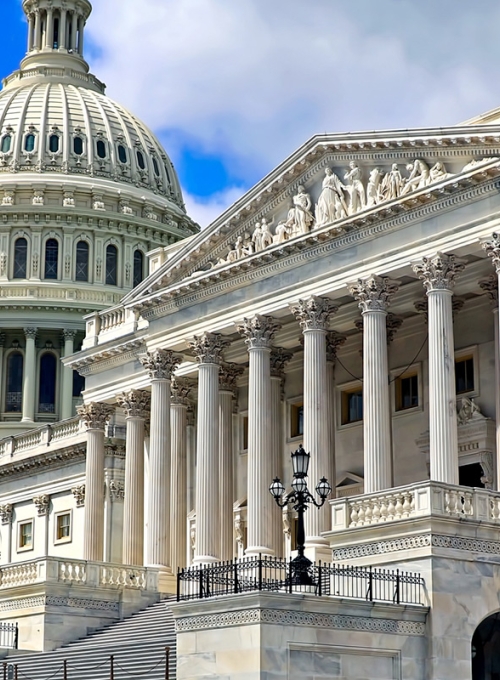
485,649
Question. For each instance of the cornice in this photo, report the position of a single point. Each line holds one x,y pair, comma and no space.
45,460
111,355
341,235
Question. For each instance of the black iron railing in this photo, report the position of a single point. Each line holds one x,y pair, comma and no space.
276,575
9,635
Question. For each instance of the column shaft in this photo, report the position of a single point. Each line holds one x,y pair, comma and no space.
226,475
50,29
442,391
376,410
74,24
496,318
133,508
276,462
29,380
178,492
332,471
93,537
207,471
38,30
67,379
31,27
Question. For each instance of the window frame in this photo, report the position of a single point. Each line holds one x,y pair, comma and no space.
117,278
44,263
395,375
3,138
466,353
347,388
64,539
143,259
243,432
102,159
89,268
43,415
15,239
8,354
292,405
30,546
28,152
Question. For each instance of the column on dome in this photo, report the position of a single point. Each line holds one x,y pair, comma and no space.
136,405
29,379
81,26
491,286
279,359
374,296
178,491
313,316
438,275
38,30
95,417
208,351
259,332
49,29
63,22
160,364
67,376
228,394
334,340
74,28
31,29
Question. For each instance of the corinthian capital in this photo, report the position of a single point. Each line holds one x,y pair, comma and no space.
95,415
180,392
438,272
313,314
334,340
373,294
161,363
279,359
42,504
6,513
490,287
259,331
228,375
208,347
135,403
492,249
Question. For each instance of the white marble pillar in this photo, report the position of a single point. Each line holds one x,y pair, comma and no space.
49,29
228,392
160,364
31,29
136,406
208,350
38,30
334,340
259,333
95,416
29,378
313,315
438,275
178,492
63,23
279,359
67,377
74,25
374,295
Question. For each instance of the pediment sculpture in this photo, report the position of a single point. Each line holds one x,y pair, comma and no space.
338,200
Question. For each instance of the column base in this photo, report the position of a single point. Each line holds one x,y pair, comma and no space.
167,582
259,550
205,559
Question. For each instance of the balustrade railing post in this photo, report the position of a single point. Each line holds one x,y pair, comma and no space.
260,571
16,637
178,585
396,594
4,670
370,586
235,576
15,672
65,670
167,663
290,575
111,667
201,583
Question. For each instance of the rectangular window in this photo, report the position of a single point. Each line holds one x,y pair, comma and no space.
245,432
352,406
297,419
406,392
26,535
63,526
464,374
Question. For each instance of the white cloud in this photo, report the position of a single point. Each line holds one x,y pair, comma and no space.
251,80
205,211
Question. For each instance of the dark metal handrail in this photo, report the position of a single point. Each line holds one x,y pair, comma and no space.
272,574
9,635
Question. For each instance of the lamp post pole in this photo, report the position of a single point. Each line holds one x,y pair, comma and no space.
300,498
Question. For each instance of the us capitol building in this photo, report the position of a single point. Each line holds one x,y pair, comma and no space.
154,380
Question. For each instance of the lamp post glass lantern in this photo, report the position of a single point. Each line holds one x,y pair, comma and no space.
300,498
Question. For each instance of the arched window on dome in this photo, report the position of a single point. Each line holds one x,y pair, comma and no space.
156,167
138,267
51,258
82,261
14,392
140,160
29,143
20,258
122,153
111,266
54,143
101,149
47,388
6,144
78,146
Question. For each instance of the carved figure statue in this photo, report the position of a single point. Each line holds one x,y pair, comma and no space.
257,238
438,172
392,184
419,178
266,236
331,204
300,217
248,246
236,253
468,410
282,232
373,188
355,188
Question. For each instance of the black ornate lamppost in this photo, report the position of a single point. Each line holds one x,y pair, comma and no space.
299,498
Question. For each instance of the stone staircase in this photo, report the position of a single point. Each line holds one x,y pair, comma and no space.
136,643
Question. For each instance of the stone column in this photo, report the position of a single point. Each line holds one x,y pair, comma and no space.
81,24
74,25
334,340
313,315
31,27
259,333
279,359
438,275
63,22
178,491
38,30
49,30
136,406
29,380
95,416
228,393
67,377
374,295
160,364
208,350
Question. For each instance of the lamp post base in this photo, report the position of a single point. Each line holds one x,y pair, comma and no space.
300,571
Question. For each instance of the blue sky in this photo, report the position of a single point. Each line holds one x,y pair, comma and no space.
232,87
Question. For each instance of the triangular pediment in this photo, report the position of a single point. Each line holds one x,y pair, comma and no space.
332,185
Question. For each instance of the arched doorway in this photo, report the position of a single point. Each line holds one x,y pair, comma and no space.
486,649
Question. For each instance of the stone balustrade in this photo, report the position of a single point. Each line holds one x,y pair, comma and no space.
78,572
42,438
416,500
